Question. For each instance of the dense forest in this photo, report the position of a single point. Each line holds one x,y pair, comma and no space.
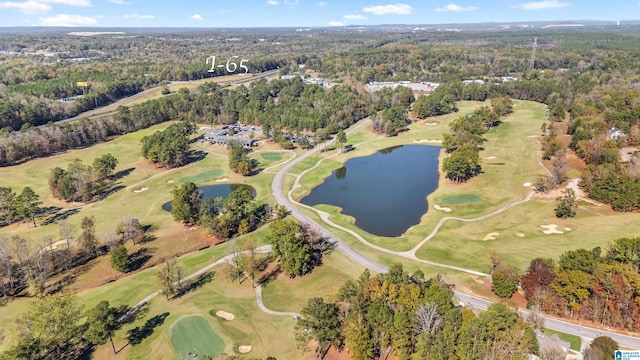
595,285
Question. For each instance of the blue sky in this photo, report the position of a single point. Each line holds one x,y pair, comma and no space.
301,13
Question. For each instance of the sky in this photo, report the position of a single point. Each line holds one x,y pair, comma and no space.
301,13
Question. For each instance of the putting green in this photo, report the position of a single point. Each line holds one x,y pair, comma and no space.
201,176
461,199
194,335
271,156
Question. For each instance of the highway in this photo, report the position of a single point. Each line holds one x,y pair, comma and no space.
108,109
584,332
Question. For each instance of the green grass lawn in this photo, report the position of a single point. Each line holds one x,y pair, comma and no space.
272,156
203,176
574,341
194,335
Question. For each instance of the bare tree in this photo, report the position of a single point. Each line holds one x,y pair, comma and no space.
67,230
559,171
554,353
427,319
6,266
535,318
129,228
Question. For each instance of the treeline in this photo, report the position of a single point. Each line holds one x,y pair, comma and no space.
466,136
412,318
602,287
391,109
284,103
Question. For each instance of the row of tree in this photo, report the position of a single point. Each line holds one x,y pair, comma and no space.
466,136
412,318
169,147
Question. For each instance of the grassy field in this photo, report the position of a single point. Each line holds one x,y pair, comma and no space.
203,176
574,341
193,335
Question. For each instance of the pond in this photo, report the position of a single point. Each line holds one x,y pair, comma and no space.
214,191
385,192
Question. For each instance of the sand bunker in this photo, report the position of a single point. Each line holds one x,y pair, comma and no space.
137,191
520,235
221,180
567,229
527,184
427,141
490,158
551,229
170,181
244,349
438,207
54,245
490,236
431,123
225,315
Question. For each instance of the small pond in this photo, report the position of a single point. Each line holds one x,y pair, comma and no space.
385,192
214,191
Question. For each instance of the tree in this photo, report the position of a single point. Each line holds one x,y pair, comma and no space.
169,276
104,165
239,161
568,204
427,319
52,322
28,204
504,281
120,258
129,228
602,347
102,322
7,205
537,279
321,322
289,244
462,164
88,235
341,139
186,203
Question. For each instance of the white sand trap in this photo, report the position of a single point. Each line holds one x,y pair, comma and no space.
431,123
222,180
243,349
490,158
526,184
551,229
54,245
490,236
438,207
520,235
137,191
170,181
567,229
427,141
225,315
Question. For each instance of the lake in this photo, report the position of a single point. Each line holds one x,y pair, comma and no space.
385,192
214,191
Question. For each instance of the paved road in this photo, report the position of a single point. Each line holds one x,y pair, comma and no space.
107,109
268,311
550,323
278,193
556,324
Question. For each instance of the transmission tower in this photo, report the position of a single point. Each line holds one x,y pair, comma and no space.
532,62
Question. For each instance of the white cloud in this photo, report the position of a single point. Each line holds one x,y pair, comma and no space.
455,8
68,2
291,2
120,2
138,16
539,5
272,2
67,20
27,6
354,17
196,17
396,9
322,3
336,23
